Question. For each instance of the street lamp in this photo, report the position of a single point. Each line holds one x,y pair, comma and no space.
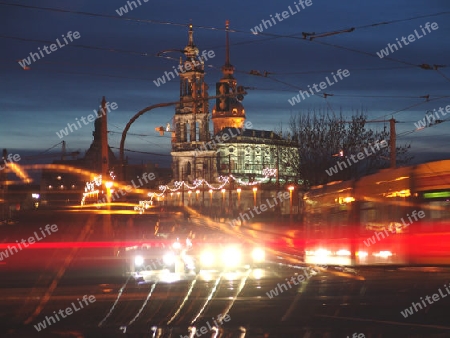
210,202
239,197
291,189
255,189
223,199
108,185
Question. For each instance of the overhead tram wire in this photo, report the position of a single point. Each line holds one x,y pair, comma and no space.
271,35
292,36
220,29
159,22
142,152
107,49
414,105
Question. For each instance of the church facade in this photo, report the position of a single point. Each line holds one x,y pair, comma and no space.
234,147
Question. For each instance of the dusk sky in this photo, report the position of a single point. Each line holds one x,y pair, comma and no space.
116,56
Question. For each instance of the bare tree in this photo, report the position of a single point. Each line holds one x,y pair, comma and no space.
329,145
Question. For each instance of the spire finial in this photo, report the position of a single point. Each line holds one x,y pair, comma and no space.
227,56
191,51
191,35
227,68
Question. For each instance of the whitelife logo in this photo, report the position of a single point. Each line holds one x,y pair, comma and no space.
432,118
323,85
53,47
187,66
285,14
227,135
299,278
11,159
115,195
411,38
417,306
341,165
90,118
263,207
49,229
124,10
372,240
64,313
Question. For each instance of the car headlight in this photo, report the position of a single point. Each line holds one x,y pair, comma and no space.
207,258
231,257
138,260
258,255
169,258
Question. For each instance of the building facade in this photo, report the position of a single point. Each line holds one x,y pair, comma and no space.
234,147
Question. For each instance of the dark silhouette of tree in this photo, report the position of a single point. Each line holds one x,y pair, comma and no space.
335,147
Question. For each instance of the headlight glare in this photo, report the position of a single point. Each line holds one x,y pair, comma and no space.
138,260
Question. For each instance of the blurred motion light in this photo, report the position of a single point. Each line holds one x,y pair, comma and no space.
207,258
438,194
383,254
322,253
258,255
169,258
343,252
231,257
138,260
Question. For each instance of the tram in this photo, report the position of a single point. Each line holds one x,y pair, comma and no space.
395,216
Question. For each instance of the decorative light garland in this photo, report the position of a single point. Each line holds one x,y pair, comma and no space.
177,185
90,189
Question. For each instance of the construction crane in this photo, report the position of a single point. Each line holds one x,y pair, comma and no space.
63,154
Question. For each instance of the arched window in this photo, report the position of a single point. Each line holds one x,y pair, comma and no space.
188,168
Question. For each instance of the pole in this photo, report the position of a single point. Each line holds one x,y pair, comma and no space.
182,187
230,186
291,189
143,111
393,156
203,191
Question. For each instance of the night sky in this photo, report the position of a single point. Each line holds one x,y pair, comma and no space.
116,57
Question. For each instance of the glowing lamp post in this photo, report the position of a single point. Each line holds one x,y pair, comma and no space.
223,199
291,189
108,186
239,197
255,189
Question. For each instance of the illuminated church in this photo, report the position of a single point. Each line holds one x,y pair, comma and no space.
233,147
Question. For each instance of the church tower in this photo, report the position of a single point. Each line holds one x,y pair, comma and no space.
229,111
191,121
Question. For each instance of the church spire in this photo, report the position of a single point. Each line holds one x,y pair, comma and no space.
227,68
227,58
228,111
191,51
